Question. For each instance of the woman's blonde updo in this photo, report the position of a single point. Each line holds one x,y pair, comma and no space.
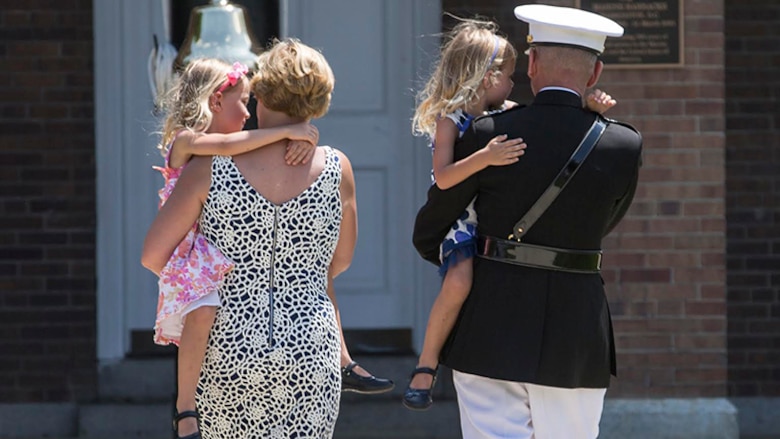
293,79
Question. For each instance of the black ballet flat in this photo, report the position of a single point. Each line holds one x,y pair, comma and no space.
186,414
420,399
370,385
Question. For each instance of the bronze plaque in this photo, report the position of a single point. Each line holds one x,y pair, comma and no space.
653,32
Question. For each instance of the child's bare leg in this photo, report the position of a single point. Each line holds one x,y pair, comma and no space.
346,358
454,290
192,349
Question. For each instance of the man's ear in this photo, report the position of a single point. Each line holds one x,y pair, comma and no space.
594,77
531,63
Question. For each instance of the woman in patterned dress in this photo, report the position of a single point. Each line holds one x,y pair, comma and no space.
272,363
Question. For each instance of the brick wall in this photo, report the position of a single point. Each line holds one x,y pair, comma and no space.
47,201
665,267
752,202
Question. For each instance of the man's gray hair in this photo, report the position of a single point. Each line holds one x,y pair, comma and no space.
567,58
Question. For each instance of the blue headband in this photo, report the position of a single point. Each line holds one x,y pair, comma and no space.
495,51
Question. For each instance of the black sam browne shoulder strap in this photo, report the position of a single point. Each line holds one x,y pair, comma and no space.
564,176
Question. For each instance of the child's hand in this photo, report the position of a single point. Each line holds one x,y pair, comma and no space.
509,104
304,131
299,152
500,151
599,101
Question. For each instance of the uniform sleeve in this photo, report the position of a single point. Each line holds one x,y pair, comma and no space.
438,214
623,203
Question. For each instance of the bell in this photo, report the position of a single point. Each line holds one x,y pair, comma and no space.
219,30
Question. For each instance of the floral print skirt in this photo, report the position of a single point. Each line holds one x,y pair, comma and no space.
190,279
461,240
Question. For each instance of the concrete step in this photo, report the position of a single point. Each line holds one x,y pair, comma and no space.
136,403
97,421
369,419
381,418
136,395
137,380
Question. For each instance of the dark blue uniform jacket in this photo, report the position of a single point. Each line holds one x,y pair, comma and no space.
529,324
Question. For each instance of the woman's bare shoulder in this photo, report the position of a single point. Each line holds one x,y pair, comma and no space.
342,158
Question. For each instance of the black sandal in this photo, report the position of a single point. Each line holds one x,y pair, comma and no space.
186,414
420,399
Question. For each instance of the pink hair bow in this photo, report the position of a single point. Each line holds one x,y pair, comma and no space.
239,70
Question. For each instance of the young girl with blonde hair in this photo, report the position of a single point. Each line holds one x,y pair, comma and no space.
473,77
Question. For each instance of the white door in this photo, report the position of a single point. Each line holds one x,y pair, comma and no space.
370,45
376,52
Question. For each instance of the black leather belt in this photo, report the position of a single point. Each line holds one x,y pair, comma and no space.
551,258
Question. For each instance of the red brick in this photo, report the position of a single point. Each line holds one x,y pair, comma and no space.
645,275
699,375
707,108
713,208
710,292
674,259
707,91
670,159
701,241
700,342
674,225
713,225
643,343
709,308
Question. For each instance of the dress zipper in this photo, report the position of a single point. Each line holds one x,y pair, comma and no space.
271,287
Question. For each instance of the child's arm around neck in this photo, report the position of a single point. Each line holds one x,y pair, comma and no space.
190,144
498,152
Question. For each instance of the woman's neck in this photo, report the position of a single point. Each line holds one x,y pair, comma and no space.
273,119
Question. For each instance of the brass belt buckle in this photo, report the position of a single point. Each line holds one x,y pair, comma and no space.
511,236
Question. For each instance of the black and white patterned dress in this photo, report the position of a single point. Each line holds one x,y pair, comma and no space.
272,363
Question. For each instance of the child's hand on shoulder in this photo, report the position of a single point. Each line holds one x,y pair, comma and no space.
299,152
509,104
501,151
303,143
599,101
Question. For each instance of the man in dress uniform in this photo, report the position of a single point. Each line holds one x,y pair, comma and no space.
532,351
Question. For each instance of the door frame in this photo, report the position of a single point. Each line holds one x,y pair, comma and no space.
121,29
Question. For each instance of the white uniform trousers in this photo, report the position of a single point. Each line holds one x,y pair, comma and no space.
493,409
